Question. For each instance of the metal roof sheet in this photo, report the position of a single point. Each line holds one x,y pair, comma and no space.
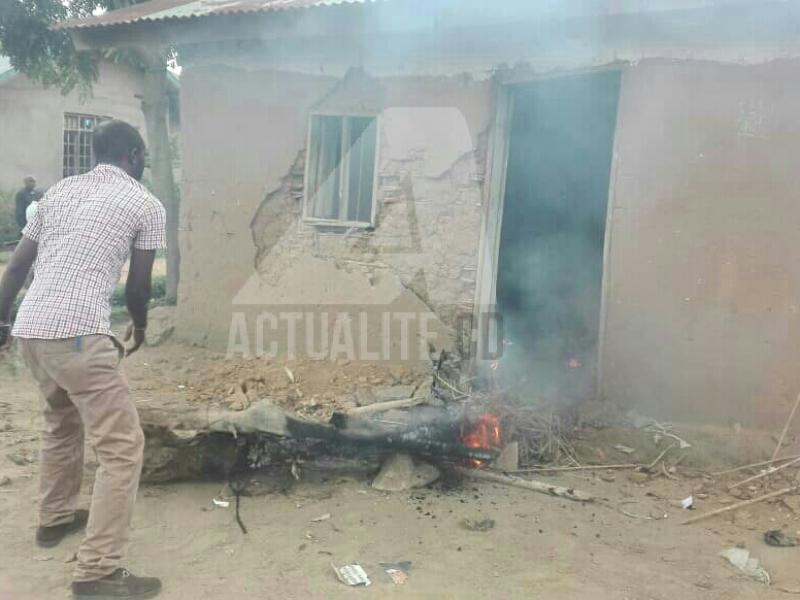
165,10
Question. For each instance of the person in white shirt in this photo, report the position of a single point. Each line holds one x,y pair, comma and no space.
31,210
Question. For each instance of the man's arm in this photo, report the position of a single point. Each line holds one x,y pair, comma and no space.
13,279
137,295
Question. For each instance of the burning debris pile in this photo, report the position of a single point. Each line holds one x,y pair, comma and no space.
438,419
541,435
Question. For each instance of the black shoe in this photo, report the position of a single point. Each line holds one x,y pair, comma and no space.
121,584
47,537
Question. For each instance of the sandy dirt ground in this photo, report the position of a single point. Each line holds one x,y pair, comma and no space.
539,547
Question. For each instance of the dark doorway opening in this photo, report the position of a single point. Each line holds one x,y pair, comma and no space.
550,270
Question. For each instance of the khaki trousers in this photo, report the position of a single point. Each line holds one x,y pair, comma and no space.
84,389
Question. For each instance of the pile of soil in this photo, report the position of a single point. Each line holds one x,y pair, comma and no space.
308,387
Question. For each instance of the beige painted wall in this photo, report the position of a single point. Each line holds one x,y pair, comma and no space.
242,134
32,121
703,281
703,318
245,246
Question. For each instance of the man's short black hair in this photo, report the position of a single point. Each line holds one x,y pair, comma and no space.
114,139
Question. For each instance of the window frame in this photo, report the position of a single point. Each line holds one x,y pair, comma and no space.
319,221
65,116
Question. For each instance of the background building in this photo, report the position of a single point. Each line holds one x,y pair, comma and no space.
47,134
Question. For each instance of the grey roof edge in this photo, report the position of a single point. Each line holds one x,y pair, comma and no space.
179,10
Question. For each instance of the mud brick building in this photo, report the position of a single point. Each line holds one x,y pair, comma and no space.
617,179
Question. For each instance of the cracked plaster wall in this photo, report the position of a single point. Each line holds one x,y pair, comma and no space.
244,241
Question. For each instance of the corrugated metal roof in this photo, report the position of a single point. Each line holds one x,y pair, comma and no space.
164,10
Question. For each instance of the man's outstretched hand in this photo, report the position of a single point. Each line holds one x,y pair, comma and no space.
138,339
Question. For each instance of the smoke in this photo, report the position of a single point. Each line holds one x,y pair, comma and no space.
552,239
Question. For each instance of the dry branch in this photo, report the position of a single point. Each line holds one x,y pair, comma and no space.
666,473
769,471
460,394
519,482
541,436
763,463
581,468
659,457
786,427
742,504
627,513
384,406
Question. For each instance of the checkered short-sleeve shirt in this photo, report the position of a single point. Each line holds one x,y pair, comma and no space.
85,227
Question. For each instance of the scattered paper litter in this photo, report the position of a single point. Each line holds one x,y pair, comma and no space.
398,577
321,518
741,559
398,572
354,574
688,503
221,503
624,449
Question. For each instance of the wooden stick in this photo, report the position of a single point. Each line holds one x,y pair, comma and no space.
788,590
384,406
649,517
786,428
454,389
763,463
742,504
582,468
769,471
667,474
659,457
535,486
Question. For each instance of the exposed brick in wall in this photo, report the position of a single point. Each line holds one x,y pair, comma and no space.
246,245
426,233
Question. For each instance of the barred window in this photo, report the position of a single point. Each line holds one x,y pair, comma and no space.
78,132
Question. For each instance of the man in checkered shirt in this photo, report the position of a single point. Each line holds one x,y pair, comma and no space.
86,228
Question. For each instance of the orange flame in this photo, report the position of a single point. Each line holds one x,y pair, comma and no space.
484,434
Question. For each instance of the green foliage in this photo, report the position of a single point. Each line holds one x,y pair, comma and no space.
119,313
118,297
8,220
45,55
157,293
159,289
49,56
